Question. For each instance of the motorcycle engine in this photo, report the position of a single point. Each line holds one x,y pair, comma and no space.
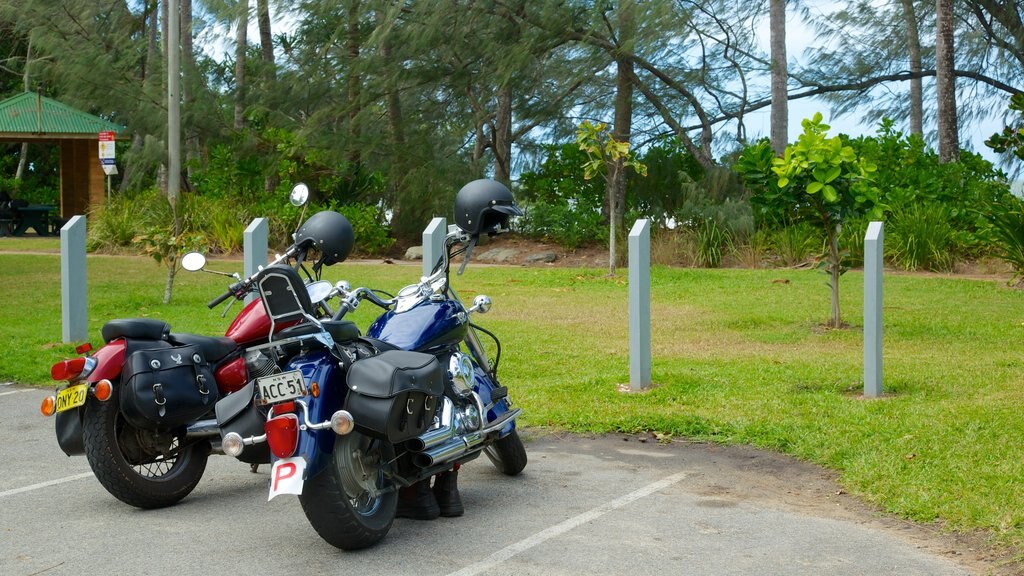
259,364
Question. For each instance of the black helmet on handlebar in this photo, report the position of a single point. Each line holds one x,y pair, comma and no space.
484,206
330,233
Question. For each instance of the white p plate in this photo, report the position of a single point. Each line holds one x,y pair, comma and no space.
286,476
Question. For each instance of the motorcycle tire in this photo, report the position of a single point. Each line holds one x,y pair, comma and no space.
508,454
350,503
131,463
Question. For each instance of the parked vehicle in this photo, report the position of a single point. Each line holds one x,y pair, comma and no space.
412,419
149,406
346,420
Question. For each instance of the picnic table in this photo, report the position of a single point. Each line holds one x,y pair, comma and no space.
35,216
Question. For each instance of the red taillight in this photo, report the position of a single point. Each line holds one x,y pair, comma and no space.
83,348
282,434
67,369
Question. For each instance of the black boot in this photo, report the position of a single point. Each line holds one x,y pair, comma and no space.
446,492
417,502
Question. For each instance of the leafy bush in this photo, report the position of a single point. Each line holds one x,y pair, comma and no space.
560,222
1007,222
711,238
798,243
920,237
372,234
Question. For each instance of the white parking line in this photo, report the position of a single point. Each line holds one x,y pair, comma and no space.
16,392
559,529
45,484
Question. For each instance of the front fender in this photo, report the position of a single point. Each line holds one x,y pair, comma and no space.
484,386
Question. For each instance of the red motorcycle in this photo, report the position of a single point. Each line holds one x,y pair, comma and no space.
150,405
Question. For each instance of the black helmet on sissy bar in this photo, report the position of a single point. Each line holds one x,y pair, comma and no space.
328,232
484,206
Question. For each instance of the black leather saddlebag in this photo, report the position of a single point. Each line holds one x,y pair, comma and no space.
395,395
167,387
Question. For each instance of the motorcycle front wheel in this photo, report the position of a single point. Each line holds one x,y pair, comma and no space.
351,503
508,454
142,468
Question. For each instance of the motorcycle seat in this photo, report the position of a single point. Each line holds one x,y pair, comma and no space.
214,347
340,330
135,328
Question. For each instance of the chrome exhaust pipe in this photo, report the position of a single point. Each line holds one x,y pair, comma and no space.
443,433
449,450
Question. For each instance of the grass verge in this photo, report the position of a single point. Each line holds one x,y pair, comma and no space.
739,357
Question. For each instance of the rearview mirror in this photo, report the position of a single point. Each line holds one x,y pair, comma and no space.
193,261
299,195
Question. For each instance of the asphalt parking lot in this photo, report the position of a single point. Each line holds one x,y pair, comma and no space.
605,505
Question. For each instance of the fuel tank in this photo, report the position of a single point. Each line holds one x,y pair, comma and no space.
253,325
427,325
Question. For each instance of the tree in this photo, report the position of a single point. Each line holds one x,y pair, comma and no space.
780,78
610,158
818,179
945,82
914,52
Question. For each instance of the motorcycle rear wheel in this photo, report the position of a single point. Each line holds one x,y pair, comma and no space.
351,504
508,454
138,467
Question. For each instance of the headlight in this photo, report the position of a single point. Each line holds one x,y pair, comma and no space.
460,369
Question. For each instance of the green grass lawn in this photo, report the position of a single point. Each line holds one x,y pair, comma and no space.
739,356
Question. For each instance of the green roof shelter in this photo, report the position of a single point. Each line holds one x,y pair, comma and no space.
31,117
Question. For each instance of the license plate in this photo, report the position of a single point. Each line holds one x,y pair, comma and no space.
72,397
281,387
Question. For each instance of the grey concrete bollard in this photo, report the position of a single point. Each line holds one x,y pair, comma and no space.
640,305
873,243
433,243
255,242
73,295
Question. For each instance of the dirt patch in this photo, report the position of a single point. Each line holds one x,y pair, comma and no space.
733,474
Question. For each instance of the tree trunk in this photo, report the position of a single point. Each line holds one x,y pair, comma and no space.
780,96
945,82
241,43
503,136
615,187
354,84
834,270
23,157
189,85
914,51
266,37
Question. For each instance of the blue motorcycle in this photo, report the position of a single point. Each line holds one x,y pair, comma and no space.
351,419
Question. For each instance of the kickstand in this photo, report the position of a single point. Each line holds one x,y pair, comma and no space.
253,468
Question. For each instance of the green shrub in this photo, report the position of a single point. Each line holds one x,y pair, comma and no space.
711,238
797,243
919,237
372,234
1007,221
563,224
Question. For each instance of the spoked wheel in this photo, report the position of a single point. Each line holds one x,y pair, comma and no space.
142,468
508,454
351,504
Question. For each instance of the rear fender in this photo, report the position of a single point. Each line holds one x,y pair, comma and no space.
320,371
69,424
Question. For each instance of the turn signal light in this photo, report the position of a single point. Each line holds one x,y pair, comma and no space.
233,445
103,390
282,434
49,406
67,369
83,348
342,422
